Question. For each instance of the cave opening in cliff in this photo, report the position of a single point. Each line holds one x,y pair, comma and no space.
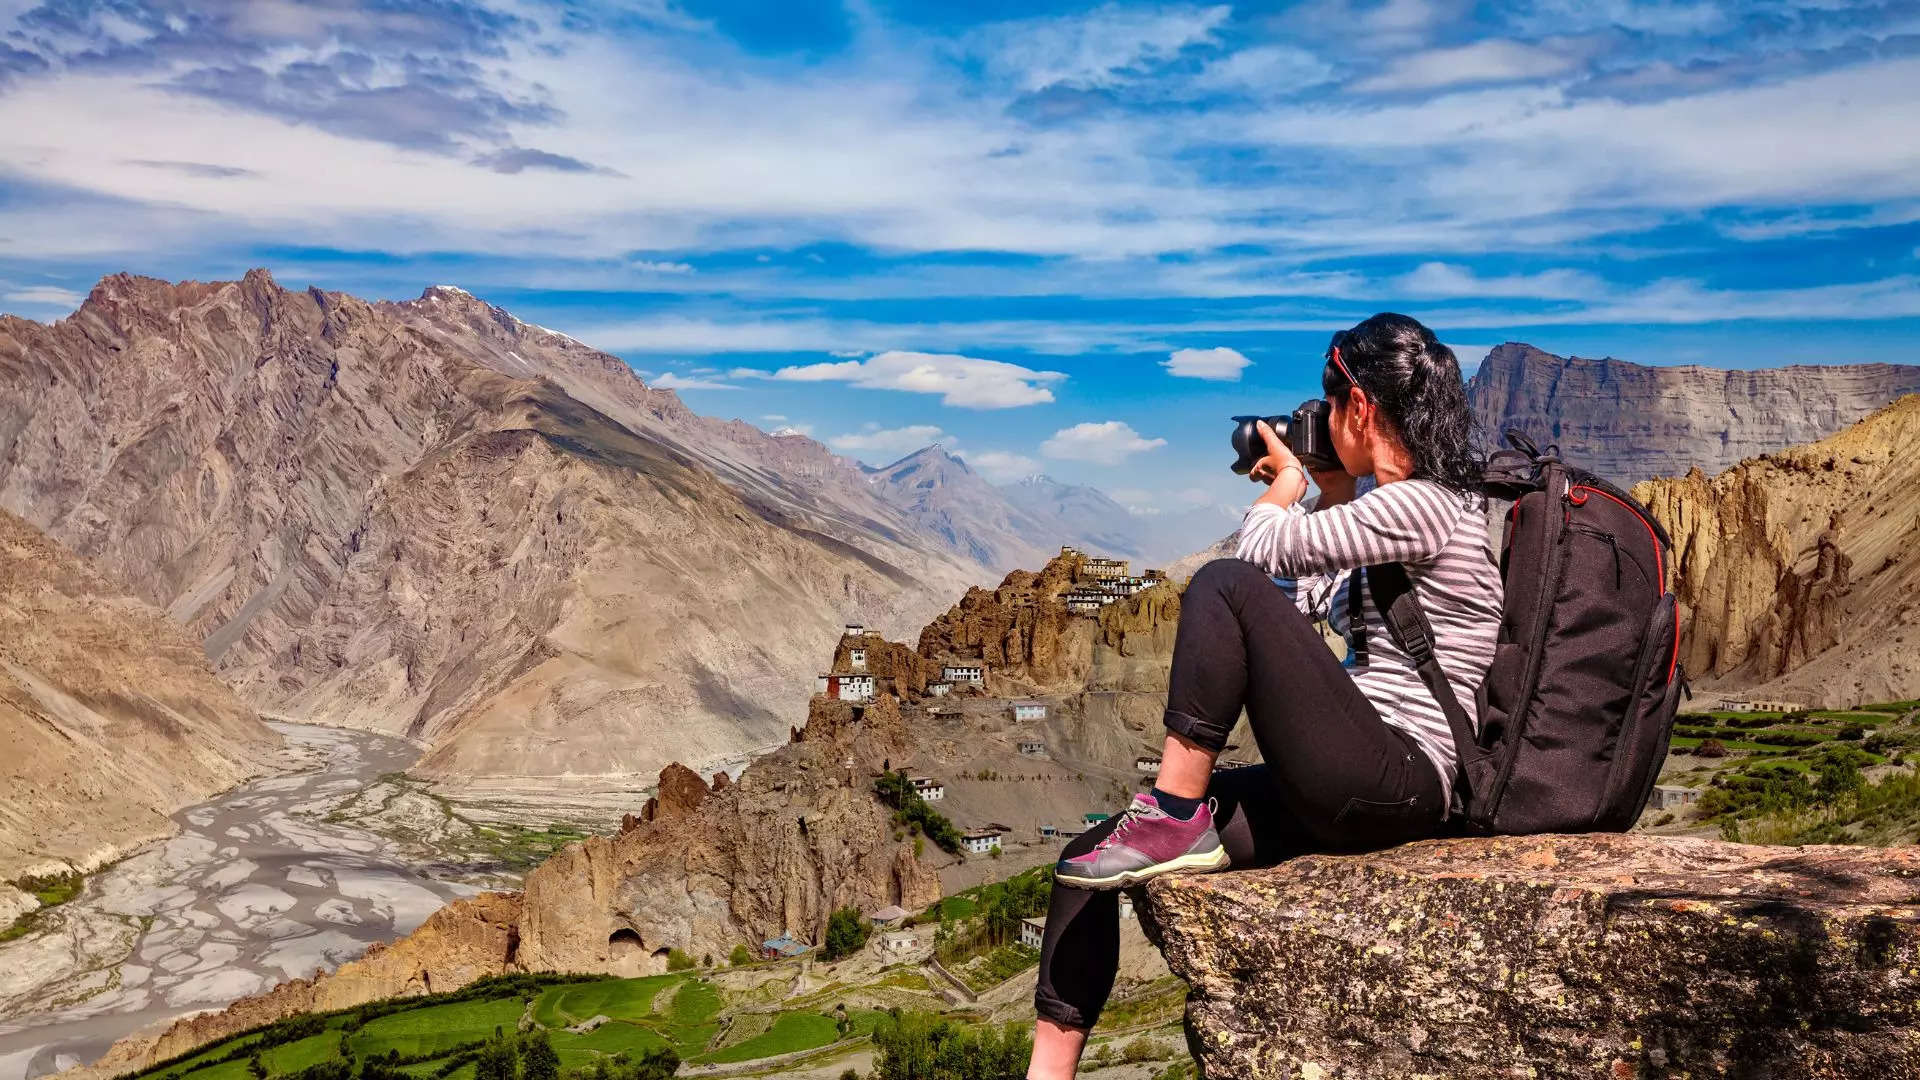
625,941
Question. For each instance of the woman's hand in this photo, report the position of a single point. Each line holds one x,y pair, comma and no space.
1285,477
1336,487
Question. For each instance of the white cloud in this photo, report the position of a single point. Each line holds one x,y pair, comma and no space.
1494,61
792,430
897,441
1107,443
1445,281
1098,48
847,354
1220,364
673,381
774,417
647,267
963,381
44,296
1265,70
1000,466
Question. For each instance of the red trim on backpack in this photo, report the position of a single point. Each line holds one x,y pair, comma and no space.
1659,567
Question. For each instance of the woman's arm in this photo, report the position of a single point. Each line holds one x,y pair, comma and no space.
1407,521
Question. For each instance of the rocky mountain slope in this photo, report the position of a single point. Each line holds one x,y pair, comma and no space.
110,716
1796,571
1087,518
433,519
1630,422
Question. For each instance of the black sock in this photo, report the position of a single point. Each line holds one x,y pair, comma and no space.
1177,806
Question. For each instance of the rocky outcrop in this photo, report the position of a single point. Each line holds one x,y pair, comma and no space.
1797,574
1553,956
1022,630
1629,422
433,519
110,716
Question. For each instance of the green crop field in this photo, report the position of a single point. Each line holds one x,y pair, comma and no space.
438,1028
622,999
791,1031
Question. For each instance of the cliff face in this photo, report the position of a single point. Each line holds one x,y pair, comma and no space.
1552,956
434,519
1796,570
1630,423
110,716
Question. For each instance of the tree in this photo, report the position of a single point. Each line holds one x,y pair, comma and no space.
678,960
1711,748
920,1046
257,1068
537,1059
497,1060
846,933
740,956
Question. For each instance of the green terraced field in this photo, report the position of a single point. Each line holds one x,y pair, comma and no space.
437,1028
791,1031
622,999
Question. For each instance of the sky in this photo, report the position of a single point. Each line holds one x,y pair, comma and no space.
1054,238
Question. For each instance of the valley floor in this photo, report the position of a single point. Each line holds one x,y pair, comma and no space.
274,879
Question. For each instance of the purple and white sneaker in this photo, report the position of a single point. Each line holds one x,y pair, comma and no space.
1145,843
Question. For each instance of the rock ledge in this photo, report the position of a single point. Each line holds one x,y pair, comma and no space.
1553,956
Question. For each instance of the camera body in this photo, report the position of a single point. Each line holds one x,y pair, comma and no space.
1307,433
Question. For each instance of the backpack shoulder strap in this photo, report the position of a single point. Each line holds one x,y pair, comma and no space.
1406,621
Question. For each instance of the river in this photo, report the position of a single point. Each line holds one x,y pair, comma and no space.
259,886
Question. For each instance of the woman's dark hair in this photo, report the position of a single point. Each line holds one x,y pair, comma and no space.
1415,381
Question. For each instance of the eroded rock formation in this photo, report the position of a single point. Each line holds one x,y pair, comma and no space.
1630,422
110,716
1021,629
431,518
1796,571
1553,956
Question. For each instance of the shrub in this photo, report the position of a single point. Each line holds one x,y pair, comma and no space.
1711,748
1853,733
846,933
740,956
1142,1050
678,960
537,1059
919,1046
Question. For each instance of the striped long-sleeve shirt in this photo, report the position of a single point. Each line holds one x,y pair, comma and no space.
1442,542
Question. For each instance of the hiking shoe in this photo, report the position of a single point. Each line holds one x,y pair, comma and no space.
1145,843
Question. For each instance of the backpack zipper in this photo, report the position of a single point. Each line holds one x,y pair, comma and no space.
1606,538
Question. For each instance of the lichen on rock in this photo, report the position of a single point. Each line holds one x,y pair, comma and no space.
1552,956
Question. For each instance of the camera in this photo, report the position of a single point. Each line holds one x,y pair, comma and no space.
1306,432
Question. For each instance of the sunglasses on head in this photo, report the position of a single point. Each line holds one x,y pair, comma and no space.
1333,354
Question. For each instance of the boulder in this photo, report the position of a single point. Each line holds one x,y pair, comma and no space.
1552,956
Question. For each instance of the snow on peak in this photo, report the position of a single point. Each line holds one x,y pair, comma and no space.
454,289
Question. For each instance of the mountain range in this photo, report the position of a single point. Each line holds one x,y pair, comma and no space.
1630,422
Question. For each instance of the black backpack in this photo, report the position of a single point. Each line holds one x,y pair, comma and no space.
1578,706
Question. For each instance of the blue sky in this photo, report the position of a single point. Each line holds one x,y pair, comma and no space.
1054,237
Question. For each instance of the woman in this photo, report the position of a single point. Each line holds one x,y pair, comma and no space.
1357,755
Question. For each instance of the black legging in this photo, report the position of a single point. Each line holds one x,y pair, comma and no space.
1336,778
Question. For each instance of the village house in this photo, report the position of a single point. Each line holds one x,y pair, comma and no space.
1102,569
857,659
964,671
981,841
897,942
888,916
856,630
1087,600
1029,710
1728,704
1033,747
929,789
1778,706
1047,832
1068,550
845,687
939,689
1667,796
782,947
1033,932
